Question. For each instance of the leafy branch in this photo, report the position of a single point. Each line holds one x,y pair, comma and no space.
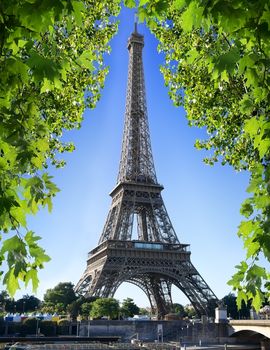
51,57
217,63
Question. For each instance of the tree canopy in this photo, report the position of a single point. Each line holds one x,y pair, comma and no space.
232,309
27,303
63,294
51,69
178,309
129,308
217,60
105,307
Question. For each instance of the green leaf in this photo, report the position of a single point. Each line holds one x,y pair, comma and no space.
11,282
192,16
142,2
78,7
43,67
178,4
246,105
238,277
227,61
152,24
142,14
266,16
246,208
19,214
47,201
130,3
257,301
246,61
264,148
39,254
241,297
46,86
31,238
246,228
86,59
13,243
32,275
252,247
251,126
192,56
257,271
252,78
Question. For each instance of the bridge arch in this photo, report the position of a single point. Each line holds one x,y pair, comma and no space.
250,328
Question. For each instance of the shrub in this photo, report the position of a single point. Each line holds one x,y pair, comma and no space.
48,328
2,327
63,326
31,325
63,322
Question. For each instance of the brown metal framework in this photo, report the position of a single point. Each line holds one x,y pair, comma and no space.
154,259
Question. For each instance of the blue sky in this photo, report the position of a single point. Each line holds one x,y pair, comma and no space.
203,202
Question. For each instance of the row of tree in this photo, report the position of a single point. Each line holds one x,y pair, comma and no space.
62,300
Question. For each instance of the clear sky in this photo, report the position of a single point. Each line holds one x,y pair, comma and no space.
203,202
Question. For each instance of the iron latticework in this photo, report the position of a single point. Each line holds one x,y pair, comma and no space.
138,243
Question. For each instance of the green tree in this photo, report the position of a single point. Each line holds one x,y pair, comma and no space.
48,328
73,309
4,300
178,309
217,61
107,307
30,325
129,308
51,69
81,306
6,303
145,311
232,309
60,296
190,311
27,303
86,309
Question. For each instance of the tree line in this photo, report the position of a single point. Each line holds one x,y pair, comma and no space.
62,300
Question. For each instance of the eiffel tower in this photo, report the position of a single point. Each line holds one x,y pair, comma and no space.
155,260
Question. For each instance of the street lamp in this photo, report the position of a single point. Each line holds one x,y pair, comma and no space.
78,325
88,327
37,332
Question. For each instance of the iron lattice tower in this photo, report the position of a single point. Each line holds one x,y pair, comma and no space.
155,260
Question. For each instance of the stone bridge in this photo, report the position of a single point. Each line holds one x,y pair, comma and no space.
249,328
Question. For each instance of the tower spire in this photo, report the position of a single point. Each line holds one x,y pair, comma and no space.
136,158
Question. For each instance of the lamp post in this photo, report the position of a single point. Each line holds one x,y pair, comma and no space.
160,333
78,325
88,327
37,328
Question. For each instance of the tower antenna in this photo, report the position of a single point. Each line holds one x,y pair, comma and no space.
135,22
